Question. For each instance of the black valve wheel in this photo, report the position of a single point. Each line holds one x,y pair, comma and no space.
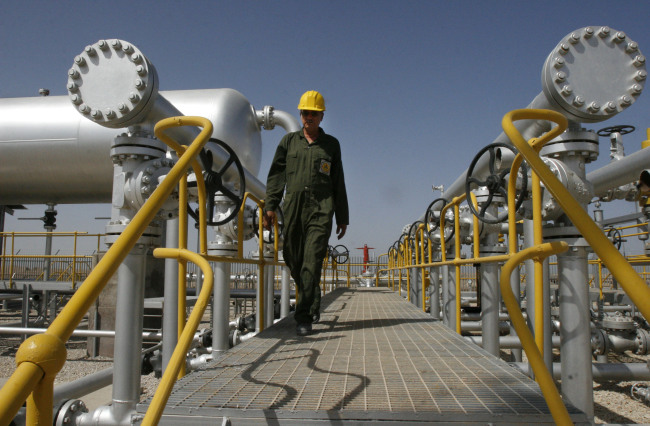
340,254
214,183
412,233
400,244
392,252
496,182
279,215
432,219
623,130
614,235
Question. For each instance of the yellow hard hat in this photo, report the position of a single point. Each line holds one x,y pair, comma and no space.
312,100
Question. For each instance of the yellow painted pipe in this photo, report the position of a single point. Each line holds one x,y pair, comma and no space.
477,230
155,410
631,282
542,375
17,389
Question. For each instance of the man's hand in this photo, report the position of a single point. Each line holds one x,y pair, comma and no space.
268,219
340,231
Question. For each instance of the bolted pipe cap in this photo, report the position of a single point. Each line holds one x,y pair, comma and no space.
606,74
101,83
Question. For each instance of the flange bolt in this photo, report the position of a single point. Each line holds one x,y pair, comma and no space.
639,61
603,32
594,107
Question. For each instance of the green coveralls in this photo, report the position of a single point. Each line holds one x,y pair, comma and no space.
315,191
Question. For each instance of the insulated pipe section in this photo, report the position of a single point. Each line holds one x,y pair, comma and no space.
590,76
113,84
618,173
65,158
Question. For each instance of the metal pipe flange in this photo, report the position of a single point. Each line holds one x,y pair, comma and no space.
594,73
112,83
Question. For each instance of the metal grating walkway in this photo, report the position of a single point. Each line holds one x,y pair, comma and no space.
373,357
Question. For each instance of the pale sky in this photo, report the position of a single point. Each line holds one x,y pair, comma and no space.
413,88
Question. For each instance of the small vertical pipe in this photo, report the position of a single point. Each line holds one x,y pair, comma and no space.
221,306
128,334
575,332
170,304
270,295
434,293
285,298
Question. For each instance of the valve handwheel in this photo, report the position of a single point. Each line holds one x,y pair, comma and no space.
432,220
214,183
412,234
614,235
623,130
496,182
339,253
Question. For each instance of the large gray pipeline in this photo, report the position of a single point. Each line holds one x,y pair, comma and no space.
50,153
592,74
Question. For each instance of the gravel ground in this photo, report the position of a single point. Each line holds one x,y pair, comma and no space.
612,401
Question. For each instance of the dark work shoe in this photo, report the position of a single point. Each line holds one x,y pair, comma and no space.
315,318
303,329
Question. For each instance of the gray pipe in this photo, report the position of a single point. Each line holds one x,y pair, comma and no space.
490,293
434,293
170,305
269,279
221,305
285,306
508,342
604,371
621,172
594,54
575,329
83,386
128,338
79,333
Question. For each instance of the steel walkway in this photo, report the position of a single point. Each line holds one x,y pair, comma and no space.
373,357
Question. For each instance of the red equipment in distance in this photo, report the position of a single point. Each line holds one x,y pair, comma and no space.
366,257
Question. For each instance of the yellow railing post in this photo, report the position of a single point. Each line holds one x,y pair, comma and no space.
542,375
177,360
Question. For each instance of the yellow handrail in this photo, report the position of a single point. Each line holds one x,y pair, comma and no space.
631,282
41,357
542,375
177,360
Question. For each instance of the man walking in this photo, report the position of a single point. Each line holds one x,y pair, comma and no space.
308,165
